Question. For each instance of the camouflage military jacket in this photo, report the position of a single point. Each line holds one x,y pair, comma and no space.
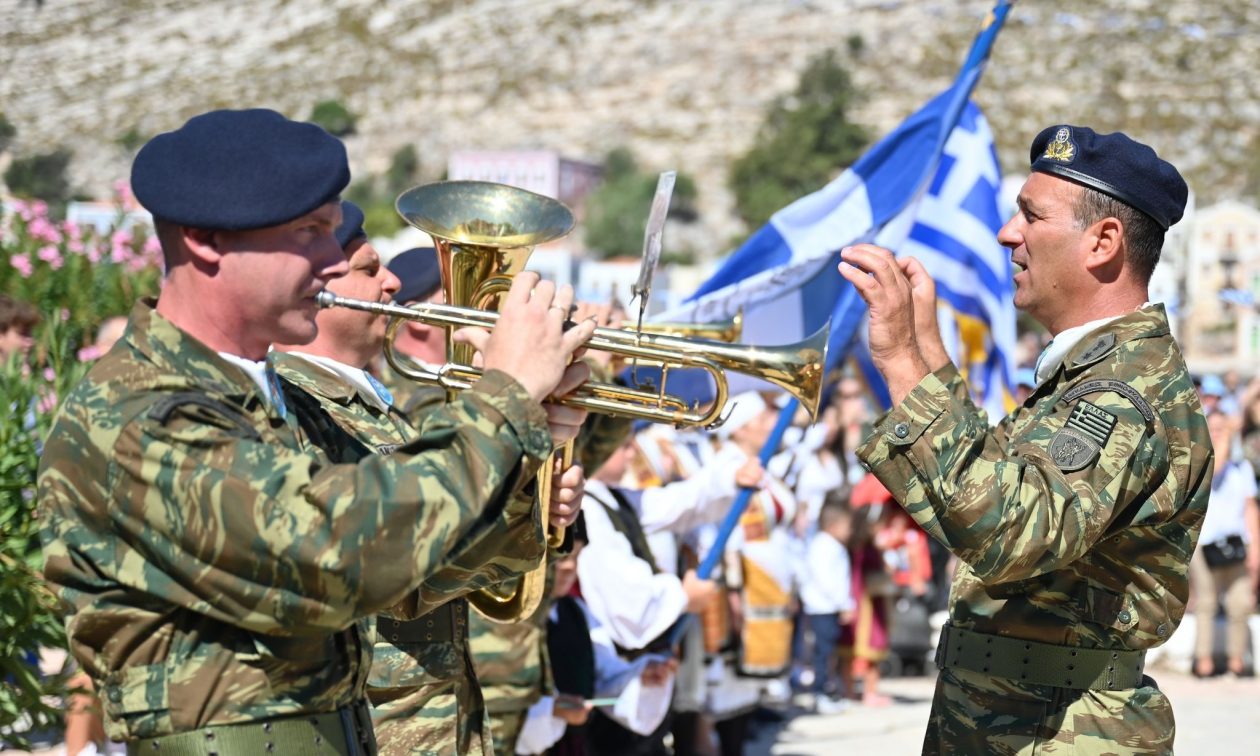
410,397
215,564
1075,517
508,547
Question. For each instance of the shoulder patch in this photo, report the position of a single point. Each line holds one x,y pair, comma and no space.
1119,387
387,448
1078,444
161,412
1101,346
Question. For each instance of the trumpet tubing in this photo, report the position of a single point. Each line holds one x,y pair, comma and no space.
797,368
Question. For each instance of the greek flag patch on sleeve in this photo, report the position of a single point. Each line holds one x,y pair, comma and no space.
1082,438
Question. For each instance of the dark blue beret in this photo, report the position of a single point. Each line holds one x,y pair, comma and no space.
351,227
1115,165
417,270
234,170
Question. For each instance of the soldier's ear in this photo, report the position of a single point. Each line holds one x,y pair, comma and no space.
202,245
1104,256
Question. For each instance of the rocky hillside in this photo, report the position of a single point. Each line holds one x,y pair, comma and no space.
682,82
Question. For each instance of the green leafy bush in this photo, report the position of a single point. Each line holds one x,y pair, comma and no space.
334,117
76,278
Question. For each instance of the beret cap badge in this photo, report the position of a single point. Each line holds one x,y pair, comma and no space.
1115,165
1061,149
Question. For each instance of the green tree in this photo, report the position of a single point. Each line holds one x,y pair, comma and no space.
404,171
804,142
41,176
131,140
7,132
617,211
334,117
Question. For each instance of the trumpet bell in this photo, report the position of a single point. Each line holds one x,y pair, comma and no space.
482,214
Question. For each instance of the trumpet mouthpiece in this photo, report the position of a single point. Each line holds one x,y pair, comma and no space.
325,298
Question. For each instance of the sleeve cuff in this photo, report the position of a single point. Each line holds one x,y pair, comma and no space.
904,424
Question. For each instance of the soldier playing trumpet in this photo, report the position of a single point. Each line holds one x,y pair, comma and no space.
216,563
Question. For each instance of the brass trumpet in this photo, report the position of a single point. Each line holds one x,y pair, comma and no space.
484,234
728,330
796,368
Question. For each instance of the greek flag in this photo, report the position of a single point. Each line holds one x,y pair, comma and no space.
928,189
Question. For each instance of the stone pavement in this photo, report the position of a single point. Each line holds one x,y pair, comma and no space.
1220,716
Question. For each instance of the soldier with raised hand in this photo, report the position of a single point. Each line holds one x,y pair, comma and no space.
424,694
214,562
1074,518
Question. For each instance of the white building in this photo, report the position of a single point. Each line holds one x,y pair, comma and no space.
1223,255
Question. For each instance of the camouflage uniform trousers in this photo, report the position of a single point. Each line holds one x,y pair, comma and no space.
974,713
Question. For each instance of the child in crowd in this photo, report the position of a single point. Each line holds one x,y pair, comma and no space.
826,595
865,643
585,666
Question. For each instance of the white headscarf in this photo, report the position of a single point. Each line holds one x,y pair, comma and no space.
743,409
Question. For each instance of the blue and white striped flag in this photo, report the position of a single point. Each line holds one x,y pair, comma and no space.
928,189
1238,296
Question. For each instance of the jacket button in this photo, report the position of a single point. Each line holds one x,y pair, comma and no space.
901,430
115,695
1162,630
1124,616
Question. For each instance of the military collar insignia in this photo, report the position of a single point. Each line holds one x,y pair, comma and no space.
277,394
382,393
1082,438
1096,350
1061,149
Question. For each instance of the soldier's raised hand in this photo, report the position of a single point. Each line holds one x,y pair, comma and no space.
927,330
889,296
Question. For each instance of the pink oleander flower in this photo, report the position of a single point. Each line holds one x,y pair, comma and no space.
74,246
39,208
94,250
41,229
65,314
23,265
50,375
51,255
22,209
120,246
122,192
